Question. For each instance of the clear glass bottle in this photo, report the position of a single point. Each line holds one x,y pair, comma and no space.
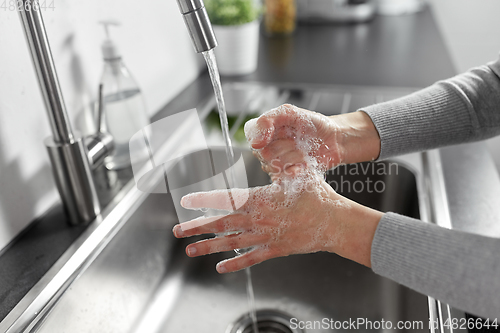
124,106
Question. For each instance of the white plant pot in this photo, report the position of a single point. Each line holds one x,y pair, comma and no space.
399,7
238,48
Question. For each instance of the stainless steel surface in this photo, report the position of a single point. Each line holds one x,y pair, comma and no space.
101,144
473,188
128,272
438,199
144,261
72,176
198,24
67,153
38,303
100,125
470,187
71,158
33,309
187,6
36,36
268,321
438,213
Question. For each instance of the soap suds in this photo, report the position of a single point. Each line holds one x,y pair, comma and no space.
271,208
285,191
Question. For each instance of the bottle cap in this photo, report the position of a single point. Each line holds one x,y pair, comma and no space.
108,47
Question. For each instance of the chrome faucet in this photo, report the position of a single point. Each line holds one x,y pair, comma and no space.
72,161
71,155
198,24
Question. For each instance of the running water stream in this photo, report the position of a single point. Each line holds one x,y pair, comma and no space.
219,98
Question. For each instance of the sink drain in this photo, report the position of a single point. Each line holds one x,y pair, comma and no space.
268,321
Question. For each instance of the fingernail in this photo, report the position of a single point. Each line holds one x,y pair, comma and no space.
191,251
250,129
221,269
186,201
177,230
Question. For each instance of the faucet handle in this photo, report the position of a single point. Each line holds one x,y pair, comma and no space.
101,144
100,108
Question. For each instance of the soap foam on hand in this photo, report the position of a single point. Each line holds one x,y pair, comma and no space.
284,193
255,133
299,126
294,212
251,130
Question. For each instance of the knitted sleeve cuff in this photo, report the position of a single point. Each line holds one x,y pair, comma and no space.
430,118
458,268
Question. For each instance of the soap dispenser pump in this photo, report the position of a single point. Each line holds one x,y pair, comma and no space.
123,102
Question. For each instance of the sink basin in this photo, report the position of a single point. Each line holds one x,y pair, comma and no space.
143,282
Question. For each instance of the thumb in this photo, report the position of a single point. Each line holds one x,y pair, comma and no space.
259,132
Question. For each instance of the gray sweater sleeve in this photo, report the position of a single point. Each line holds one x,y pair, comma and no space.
462,109
458,268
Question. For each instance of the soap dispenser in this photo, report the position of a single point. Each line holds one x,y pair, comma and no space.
124,106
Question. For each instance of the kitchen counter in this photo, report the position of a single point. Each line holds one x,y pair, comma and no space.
405,51
473,188
392,51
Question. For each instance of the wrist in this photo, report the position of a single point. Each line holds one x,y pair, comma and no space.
353,226
358,137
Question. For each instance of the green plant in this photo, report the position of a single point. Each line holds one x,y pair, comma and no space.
213,123
231,12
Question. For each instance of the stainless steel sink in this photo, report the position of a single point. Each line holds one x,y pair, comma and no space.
143,280
127,273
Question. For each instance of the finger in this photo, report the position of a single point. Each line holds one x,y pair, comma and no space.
291,159
290,171
277,148
248,259
272,169
288,165
218,199
207,225
259,132
226,243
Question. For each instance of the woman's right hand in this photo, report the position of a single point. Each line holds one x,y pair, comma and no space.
278,220
287,138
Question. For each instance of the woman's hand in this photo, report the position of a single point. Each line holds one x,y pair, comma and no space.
281,219
288,138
